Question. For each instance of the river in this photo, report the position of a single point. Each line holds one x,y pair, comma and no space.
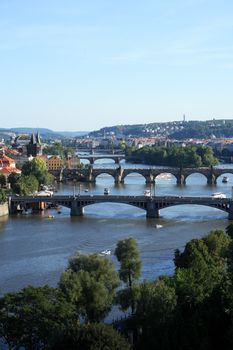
35,249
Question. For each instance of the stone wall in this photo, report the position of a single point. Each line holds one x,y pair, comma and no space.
4,209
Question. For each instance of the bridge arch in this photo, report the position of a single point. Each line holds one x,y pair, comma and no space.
201,175
118,207
186,207
225,173
168,176
103,174
132,174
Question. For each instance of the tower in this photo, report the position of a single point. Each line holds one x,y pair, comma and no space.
34,147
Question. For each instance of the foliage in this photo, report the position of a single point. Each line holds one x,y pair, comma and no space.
130,269
90,283
173,155
37,167
91,336
3,196
32,317
58,149
201,266
128,255
2,180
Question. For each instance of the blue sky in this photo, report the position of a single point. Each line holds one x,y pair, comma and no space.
83,65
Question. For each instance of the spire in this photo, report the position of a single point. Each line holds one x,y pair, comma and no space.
38,138
33,139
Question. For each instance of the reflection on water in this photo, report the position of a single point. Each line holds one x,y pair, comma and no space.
35,249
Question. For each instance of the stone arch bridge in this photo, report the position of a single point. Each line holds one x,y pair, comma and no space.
152,205
119,174
92,158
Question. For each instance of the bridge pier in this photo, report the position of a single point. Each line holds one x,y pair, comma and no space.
149,179
211,179
180,179
230,212
75,209
151,210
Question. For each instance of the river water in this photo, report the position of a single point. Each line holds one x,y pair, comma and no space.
35,249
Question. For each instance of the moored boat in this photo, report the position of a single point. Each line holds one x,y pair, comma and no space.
225,179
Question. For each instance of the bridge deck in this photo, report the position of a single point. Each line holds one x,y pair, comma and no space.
117,198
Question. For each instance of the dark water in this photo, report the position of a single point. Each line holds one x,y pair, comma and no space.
35,249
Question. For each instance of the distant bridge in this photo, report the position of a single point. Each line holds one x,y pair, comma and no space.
119,174
92,158
151,205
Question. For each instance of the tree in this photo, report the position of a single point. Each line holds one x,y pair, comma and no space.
201,266
128,255
92,336
155,311
32,317
229,230
90,283
130,265
27,185
2,180
13,179
37,167
3,196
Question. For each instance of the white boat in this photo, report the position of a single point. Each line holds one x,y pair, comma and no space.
225,179
218,195
158,226
86,190
106,252
147,193
106,191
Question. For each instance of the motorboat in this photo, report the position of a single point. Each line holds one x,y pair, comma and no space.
225,179
106,190
50,216
147,193
106,252
158,226
86,190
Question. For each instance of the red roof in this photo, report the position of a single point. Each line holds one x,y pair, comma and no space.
8,170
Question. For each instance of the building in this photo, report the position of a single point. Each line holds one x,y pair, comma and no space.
54,163
7,166
34,147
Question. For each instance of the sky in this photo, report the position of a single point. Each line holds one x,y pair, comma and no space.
80,65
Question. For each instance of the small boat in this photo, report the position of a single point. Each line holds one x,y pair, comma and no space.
225,179
147,193
86,190
50,216
106,252
158,226
106,191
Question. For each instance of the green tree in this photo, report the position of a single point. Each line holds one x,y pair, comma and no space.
32,317
27,185
2,180
37,167
201,266
155,311
3,196
127,254
13,179
92,336
90,283
229,230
